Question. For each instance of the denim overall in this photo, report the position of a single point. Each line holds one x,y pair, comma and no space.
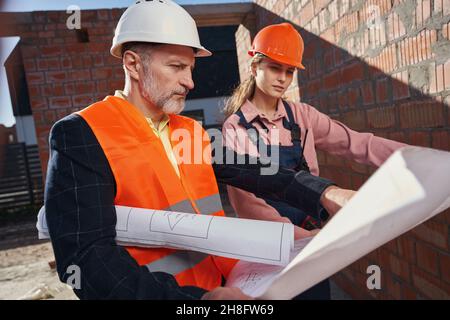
290,157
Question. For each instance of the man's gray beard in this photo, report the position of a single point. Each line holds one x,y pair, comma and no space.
150,91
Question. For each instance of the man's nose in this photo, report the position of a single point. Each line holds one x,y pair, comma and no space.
187,81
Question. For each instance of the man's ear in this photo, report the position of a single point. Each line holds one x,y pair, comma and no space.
132,64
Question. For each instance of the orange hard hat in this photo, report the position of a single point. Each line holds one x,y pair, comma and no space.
281,43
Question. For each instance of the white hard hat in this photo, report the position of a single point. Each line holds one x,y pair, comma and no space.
158,21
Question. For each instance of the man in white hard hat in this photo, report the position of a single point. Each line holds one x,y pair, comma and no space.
119,152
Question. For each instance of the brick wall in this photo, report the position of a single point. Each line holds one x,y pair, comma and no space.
63,74
389,75
384,67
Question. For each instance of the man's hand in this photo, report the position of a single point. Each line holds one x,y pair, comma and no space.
334,198
222,293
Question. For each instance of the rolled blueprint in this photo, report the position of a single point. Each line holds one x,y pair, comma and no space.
250,240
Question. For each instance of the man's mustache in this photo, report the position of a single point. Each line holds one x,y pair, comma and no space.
181,92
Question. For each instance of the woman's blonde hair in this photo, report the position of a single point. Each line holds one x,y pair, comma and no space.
243,92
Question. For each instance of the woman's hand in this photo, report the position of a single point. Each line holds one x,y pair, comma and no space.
334,198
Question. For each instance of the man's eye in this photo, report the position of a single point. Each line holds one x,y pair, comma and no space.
177,66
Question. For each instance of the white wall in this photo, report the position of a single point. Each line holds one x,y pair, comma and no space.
26,132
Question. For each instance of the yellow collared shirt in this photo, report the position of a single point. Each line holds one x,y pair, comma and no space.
162,132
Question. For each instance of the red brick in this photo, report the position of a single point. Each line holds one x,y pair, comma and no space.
55,76
85,87
355,119
398,136
60,102
103,14
444,262
367,93
420,138
42,64
103,86
98,47
42,133
441,139
396,265
44,156
373,72
354,71
332,105
408,293
440,78
348,287
53,50
407,248
432,232
38,103
35,77
329,59
30,51
34,90
46,34
342,97
353,97
393,287
118,73
430,286
313,87
427,258
77,61
332,80
400,85
392,246
29,65
400,90
82,100
54,64
337,56
421,114
305,14
381,92
38,117
81,75
97,60
66,63
50,116
381,118
75,48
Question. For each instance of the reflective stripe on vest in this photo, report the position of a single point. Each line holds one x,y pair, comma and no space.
177,262
207,205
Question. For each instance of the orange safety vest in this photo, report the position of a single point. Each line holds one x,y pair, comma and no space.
145,178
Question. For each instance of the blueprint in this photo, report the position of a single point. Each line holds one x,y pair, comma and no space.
244,239
412,186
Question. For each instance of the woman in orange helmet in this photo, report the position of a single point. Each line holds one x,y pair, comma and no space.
260,122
